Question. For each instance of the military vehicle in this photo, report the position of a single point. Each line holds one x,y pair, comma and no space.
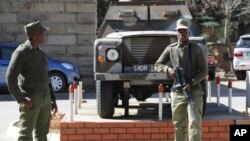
130,40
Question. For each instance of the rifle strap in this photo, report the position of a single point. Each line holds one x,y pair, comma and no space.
189,61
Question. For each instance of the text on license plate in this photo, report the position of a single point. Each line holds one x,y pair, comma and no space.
143,68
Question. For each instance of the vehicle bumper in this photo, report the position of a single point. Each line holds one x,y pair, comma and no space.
135,78
241,65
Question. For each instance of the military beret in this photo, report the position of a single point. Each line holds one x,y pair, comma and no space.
34,27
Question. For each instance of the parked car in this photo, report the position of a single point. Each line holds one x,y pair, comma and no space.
241,59
61,73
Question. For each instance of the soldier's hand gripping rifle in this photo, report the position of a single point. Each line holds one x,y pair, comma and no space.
183,83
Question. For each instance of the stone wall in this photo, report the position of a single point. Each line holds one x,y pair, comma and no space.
72,26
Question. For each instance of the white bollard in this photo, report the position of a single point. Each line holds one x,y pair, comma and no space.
167,96
230,96
209,89
161,91
218,90
75,85
71,91
80,94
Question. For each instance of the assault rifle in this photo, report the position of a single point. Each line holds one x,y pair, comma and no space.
183,83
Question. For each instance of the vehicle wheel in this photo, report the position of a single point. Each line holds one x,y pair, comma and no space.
211,75
105,99
240,74
58,82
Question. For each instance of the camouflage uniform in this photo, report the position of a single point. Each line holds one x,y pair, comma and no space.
180,108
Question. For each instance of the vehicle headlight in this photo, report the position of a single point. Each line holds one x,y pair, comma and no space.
68,66
112,54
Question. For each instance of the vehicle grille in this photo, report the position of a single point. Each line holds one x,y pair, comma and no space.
145,50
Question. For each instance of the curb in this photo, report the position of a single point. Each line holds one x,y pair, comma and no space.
13,132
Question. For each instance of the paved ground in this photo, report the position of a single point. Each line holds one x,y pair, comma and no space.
138,111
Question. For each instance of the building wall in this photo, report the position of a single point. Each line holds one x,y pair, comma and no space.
72,26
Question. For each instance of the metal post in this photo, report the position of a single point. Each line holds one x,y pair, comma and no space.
218,90
167,96
161,91
230,96
75,85
247,91
71,91
126,86
209,89
80,94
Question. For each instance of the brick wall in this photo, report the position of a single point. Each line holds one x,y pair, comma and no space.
72,26
212,130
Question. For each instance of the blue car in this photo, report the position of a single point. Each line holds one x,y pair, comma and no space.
61,73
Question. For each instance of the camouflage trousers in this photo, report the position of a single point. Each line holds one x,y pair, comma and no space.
182,116
38,118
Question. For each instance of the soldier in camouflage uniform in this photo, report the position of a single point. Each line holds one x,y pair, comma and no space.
178,55
29,83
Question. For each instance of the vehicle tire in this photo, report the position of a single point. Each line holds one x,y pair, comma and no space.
211,75
240,74
58,81
105,99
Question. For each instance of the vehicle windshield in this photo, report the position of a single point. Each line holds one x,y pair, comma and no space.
244,42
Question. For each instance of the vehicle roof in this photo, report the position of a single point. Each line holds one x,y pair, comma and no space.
197,38
140,33
245,36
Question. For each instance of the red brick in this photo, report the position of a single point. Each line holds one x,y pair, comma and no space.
93,137
134,130
142,136
218,129
67,131
63,124
76,125
242,122
126,136
76,137
109,136
84,131
159,136
205,129
218,140
159,124
225,122
142,124
64,137
228,128
170,124
110,124
171,136
224,135
101,130
118,130
151,130
209,135
167,130
209,123
92,124
130,124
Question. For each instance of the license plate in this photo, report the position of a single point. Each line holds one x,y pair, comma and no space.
143,68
